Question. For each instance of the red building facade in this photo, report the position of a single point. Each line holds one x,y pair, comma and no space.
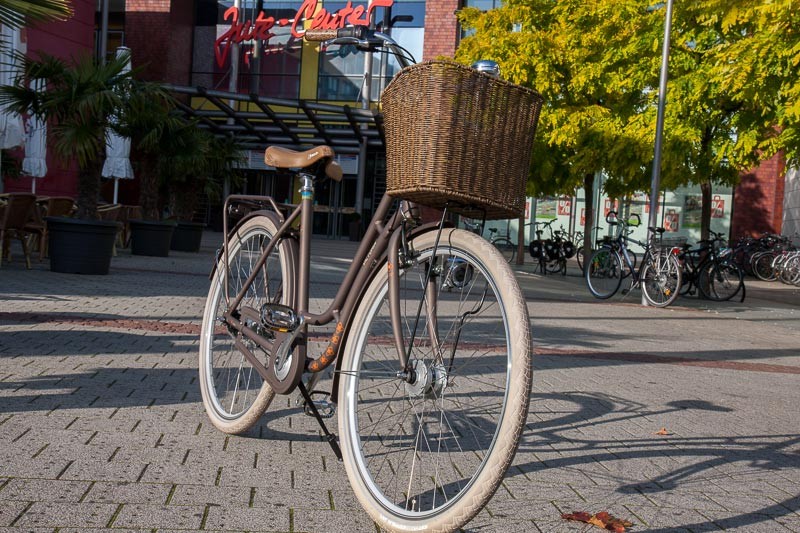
166,38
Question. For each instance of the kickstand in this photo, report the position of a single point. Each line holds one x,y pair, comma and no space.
329,437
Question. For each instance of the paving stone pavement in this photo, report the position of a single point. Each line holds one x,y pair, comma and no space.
102,427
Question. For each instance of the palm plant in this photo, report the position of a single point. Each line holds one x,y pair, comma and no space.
151,122
18,13
174,154
79,101
202,164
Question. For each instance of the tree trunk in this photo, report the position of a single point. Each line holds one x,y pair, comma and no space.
148,190
183,200
588,225
88,190
705,213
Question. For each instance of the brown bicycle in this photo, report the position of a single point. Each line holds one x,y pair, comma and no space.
431,376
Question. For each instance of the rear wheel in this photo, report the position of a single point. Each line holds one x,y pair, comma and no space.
234,393
725,280
427,451
507,248
603,273
661,279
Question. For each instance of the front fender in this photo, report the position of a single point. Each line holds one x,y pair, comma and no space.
414,233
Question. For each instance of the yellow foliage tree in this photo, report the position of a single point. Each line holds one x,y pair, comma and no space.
731,98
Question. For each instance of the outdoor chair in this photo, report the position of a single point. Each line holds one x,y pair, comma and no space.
129,212
111,212
14,217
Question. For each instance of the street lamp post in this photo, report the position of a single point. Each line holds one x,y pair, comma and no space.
655,181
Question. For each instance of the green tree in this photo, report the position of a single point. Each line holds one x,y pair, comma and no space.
559,49
597,65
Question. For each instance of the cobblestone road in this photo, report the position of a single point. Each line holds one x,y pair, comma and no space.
102,428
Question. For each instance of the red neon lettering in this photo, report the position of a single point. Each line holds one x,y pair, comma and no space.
306,12
260,30
342,15
222,46
357,12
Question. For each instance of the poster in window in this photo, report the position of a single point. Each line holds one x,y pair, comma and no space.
672,221
565,205
610,206
692,210
546,208
717,207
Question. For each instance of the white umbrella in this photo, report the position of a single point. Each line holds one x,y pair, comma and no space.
35,162
11,130
118,149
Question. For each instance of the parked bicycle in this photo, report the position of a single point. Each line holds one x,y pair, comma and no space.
553,252
708,268
430,386
763,262
579,256
786,267
747,251
501,241
659,274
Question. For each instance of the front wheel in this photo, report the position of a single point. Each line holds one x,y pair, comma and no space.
661,279
603,273
427,448
762,266
234,393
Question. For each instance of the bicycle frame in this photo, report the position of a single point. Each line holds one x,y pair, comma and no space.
619,244
382,237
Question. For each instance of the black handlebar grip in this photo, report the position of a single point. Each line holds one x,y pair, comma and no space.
319,35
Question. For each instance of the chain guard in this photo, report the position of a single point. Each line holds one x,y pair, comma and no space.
290,375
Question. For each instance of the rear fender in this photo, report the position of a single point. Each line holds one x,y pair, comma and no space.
276,220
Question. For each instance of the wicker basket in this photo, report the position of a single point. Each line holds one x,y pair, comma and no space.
459,138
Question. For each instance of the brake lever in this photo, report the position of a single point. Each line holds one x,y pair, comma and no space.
361,44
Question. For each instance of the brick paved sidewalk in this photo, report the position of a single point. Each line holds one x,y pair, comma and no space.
102,428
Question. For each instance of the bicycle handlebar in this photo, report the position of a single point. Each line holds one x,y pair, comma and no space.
357,32
364,39
612,219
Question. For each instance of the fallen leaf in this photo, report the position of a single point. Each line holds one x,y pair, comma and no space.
578,516
603,520
662,431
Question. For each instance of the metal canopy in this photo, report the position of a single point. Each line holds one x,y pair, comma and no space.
291,123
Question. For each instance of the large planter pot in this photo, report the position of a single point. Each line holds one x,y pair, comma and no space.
81,246
187,237
151,237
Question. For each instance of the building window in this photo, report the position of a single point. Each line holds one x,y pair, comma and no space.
483,5
341,69
268,68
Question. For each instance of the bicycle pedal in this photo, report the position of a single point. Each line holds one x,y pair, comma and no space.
625,291
325,408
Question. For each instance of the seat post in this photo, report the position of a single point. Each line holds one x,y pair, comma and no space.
306,226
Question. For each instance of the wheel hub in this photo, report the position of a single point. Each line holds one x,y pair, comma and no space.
429,380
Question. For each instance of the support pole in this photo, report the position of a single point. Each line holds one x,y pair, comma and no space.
103,52
233,87
655,182
362,150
